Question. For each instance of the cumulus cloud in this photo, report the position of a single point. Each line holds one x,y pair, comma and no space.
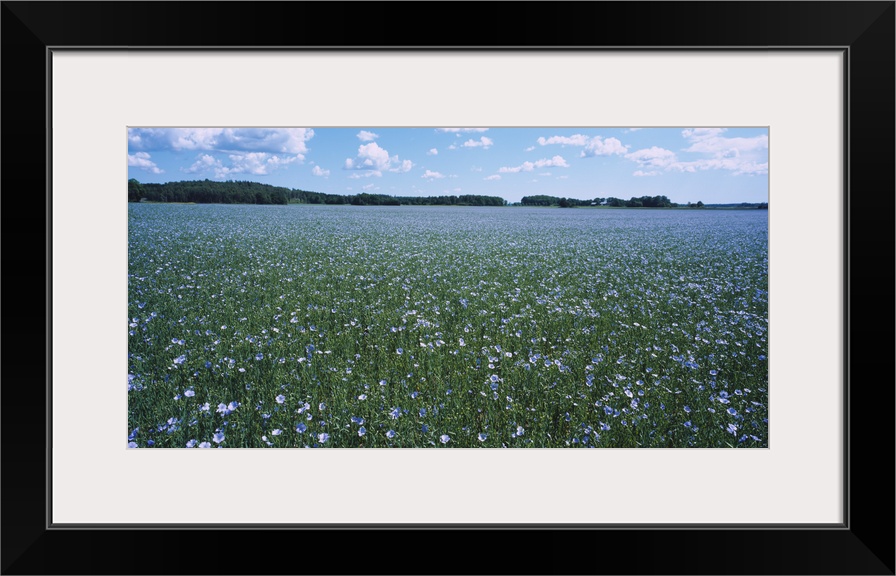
291,141
574,140
365,136
430,175
653,157
607,147
142,160
492,177
432,152
484,142
461,130
318,171
258,163
557,161
701,133
204,162
593,145
530,148
375,160
370,187
524,167
716,152
711,141
735,164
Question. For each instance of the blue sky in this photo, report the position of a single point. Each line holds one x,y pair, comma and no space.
714,165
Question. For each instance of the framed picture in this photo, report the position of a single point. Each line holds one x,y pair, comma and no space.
816,78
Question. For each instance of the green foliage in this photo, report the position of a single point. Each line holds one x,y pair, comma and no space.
209,192
641,202
230,192
135,190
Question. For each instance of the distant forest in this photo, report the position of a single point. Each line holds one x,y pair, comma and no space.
642,202
230,192
238,192
634,202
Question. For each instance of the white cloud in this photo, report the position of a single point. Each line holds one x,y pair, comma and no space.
142,160
370,187
734,164
701,133
405,166
375,160
258,163
372,157
544,173
492,177
484,142
530,148
653,157
710,141
476,169
461,130
317,171
574,140
557,161
452,147
594,145
735,155
524,167
204,162
366,136
430,175
274,162
292,141
607,147
432,152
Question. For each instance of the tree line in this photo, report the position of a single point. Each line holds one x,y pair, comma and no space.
208,192
243,192
634,202
239,192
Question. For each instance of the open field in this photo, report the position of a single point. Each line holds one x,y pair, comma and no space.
344,326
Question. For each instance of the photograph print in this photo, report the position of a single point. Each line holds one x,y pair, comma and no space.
432,287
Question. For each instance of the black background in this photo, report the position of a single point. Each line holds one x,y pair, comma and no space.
865,545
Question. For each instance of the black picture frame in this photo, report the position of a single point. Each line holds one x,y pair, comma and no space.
864,544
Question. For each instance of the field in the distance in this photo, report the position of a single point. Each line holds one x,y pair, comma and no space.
342,326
